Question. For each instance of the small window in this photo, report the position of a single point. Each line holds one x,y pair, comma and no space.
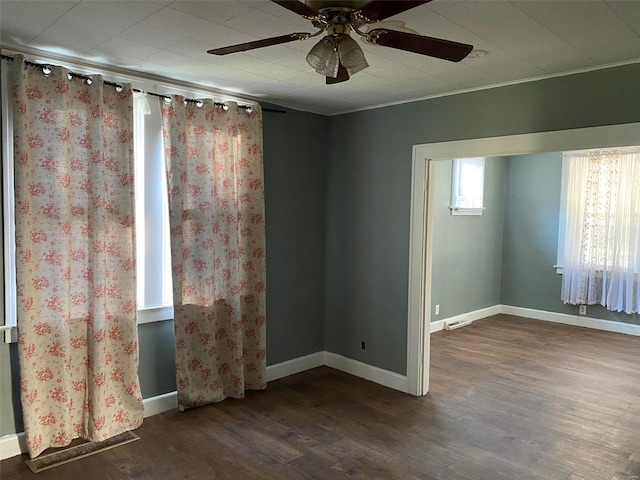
467,186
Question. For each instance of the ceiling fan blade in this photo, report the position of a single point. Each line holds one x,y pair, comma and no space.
433,47
295,6
266,42
381,9
342,76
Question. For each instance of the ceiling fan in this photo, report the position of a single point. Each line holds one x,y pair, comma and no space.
337,56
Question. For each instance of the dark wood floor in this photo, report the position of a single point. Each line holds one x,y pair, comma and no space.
510,399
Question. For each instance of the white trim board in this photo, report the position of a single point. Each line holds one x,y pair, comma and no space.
160,404
169,401
366,371
12,445
533,314
436,326
15,444
575,320
296,365
466,317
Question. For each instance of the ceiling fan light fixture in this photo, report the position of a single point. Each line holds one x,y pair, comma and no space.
320,55
326,56
332,66
351,55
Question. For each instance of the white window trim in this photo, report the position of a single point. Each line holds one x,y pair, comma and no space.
467,211
9,326
155,314
562,217
455,180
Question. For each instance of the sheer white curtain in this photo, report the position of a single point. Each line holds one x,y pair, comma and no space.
602,243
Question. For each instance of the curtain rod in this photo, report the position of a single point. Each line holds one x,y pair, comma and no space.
119,85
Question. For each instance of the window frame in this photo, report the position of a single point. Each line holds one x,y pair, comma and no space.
149,168
457,171
562,216
9,325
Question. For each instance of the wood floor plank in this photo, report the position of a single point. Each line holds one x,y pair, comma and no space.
510,398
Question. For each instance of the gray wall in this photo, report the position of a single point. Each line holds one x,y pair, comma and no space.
467,250
295,200
530,243
10,410
337,206
369,183
530,240
156,344
295,170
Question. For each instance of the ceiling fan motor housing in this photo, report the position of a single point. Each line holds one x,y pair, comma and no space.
337,20
350,4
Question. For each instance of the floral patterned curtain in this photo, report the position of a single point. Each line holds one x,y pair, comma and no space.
216,211
77,334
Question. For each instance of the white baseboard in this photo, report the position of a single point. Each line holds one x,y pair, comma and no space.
12,445
366,371
566,319
296,365
466,317
436,326
160,403
575,320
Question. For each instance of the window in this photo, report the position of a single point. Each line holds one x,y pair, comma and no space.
600,228
467,186
155,294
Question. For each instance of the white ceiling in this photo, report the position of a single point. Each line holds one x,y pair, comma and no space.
524,39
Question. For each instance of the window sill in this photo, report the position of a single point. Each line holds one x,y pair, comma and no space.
466,211
10,333
155,314
145,315
560,271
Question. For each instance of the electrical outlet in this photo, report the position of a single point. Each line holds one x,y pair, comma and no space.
363,345
438,309
583,310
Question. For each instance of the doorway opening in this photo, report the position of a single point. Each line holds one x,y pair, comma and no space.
422,218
